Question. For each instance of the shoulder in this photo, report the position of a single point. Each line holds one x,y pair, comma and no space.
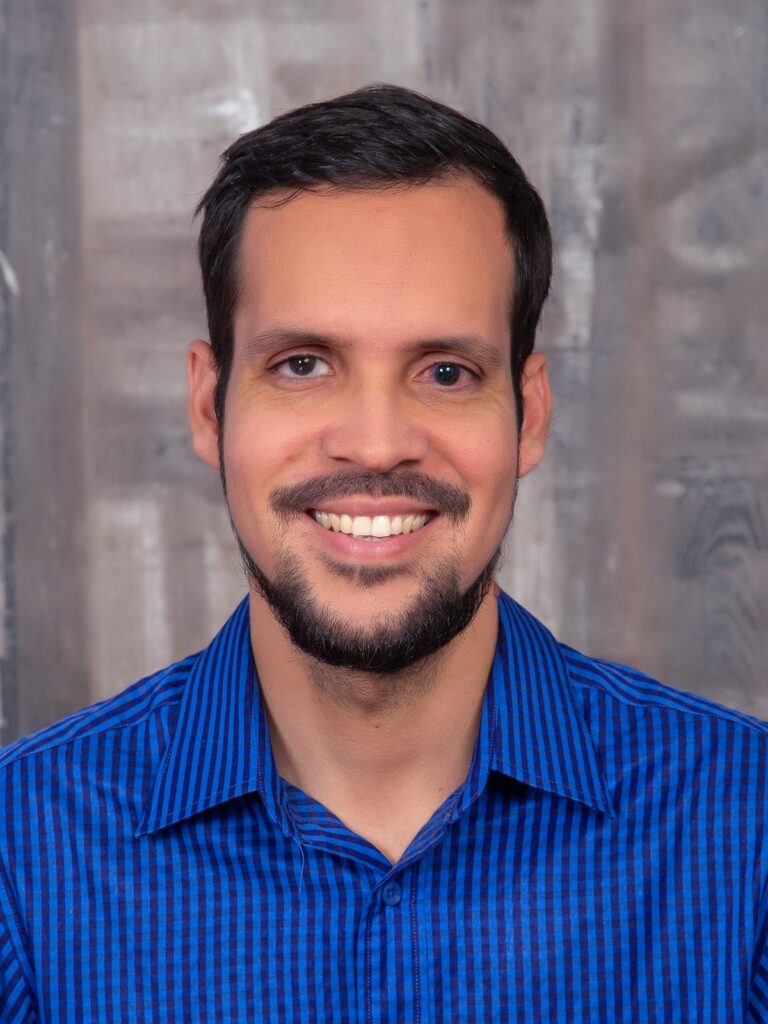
660,741
635,690
153,696
652,738
622,689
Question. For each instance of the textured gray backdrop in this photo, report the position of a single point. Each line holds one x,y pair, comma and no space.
643,538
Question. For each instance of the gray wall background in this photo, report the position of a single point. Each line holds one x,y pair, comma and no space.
644,123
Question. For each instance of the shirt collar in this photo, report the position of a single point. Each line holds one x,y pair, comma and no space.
219,748
532,727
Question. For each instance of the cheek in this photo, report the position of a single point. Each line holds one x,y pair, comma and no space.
489,465
251,462
489,470
260,445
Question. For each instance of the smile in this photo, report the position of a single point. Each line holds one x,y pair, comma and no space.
371,527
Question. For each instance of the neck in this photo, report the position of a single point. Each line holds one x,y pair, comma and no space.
380,752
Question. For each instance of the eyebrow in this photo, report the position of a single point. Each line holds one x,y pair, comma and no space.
471,346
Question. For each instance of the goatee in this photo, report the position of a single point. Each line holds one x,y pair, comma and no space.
390,643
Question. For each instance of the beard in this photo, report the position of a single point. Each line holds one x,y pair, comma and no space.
390,644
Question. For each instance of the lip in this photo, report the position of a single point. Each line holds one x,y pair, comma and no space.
385,549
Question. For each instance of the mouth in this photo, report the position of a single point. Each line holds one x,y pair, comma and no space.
374,527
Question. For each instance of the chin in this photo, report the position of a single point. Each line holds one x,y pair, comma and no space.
395,637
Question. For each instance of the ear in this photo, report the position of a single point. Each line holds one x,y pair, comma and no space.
201,378
537,412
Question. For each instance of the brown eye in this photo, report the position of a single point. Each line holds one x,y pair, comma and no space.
302,366
447,374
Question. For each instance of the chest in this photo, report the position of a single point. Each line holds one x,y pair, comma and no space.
528,912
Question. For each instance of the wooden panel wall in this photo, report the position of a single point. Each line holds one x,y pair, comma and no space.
44,655
644,536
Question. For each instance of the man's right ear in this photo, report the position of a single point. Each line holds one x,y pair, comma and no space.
201,378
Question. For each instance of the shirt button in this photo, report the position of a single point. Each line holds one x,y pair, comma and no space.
392,894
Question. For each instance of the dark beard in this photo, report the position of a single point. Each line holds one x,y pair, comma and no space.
439,613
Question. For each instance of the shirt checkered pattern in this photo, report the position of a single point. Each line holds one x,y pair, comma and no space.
605,860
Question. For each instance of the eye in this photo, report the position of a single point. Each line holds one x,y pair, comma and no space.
450,374
302,366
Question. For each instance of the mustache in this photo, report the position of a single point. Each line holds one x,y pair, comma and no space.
434,494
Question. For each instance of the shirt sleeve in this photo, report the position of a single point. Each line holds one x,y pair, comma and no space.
18,1004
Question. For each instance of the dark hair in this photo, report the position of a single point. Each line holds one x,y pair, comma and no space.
379,136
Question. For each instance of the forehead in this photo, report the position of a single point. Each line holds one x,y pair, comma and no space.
424,258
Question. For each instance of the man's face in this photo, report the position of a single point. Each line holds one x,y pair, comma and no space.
370,445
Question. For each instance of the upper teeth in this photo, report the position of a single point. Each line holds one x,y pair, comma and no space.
370,526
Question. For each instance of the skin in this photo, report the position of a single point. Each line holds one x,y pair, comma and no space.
377,281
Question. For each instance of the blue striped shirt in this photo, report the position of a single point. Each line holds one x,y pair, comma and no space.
605,860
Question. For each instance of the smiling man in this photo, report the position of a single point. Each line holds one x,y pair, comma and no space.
368,444
384,792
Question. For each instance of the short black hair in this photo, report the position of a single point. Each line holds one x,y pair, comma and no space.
376,137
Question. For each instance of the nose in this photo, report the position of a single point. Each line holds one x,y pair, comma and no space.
373,425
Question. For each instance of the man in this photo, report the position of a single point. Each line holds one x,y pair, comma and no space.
384,792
